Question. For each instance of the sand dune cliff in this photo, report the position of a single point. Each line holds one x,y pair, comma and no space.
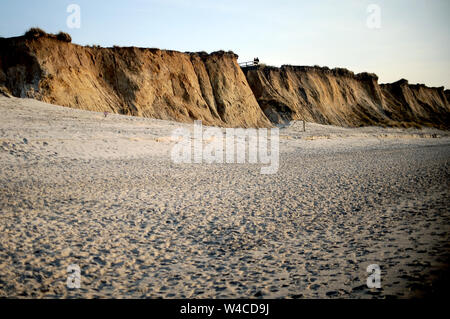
340,97
133,81
209,87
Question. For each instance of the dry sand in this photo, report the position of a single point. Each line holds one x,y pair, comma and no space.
103,193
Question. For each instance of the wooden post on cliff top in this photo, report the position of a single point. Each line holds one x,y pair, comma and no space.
304,126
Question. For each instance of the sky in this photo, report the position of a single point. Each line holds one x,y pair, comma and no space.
394,39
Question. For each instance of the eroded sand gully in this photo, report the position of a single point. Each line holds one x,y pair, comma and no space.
79,188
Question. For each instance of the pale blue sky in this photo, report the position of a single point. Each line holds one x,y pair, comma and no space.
412,43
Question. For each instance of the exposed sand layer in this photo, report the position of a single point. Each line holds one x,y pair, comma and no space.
103,193
178,86
341,97
152,83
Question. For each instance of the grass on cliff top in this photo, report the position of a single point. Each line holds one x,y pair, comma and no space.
36,33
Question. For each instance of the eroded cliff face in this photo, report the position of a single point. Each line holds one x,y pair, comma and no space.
209,87
141,82
416,103
340,97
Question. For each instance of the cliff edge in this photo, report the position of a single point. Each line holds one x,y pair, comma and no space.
341,97
212,87
134,81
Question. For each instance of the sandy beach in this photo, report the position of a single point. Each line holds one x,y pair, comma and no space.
77,187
